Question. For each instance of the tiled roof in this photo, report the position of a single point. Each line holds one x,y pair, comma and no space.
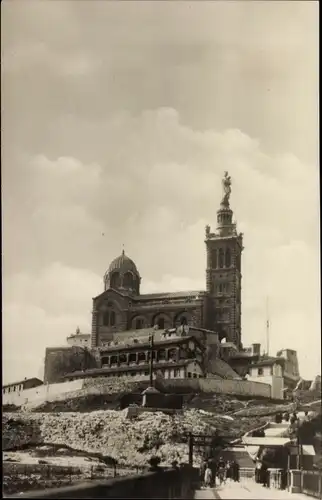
126,368
268,362
223,370
73,335
23,382
157,296
244,355
170,295
146,344
137,334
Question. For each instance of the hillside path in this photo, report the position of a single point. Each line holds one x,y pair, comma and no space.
206,493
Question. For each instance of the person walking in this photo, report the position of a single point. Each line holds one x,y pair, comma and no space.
208,477
236,471
264,475
202,471
229,470
258,467
221,471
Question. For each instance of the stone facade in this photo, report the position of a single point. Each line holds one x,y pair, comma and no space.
61,360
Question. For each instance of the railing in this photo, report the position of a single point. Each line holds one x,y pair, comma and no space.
312,483
164,483
305,481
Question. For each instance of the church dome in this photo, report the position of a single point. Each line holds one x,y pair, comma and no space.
123,275
123,264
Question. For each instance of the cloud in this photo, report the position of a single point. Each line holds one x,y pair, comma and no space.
210,61
158,186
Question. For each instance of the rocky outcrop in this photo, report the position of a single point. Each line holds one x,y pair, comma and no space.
131,442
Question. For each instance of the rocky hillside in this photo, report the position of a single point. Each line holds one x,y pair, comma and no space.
134,441
107,432
91,420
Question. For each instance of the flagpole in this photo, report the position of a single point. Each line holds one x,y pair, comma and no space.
267,327
151,341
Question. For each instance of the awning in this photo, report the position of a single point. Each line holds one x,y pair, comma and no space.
307,449
266,441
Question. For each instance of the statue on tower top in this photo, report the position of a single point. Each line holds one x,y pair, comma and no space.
226,183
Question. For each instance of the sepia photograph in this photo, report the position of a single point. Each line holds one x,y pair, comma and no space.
161,303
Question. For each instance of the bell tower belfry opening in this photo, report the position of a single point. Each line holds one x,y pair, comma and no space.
223,273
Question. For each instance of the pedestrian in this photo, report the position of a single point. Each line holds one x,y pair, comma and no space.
208,477
213,467
221,470
286,417
229,470
258,467
278,418
236,471
202,471
264,475
293,418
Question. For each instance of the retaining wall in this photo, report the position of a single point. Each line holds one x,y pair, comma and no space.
41,393
234,387
78,388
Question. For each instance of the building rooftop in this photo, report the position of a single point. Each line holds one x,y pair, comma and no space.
145,343
266,441
195,294
127,368
78,335
159,334
34,379
268,362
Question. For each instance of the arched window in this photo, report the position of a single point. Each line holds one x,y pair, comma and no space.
109,318
214,260
221,258
115,280
161,323
228,257
106,318
182,318
139,323
128,280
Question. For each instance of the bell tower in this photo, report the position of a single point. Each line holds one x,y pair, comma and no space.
223,273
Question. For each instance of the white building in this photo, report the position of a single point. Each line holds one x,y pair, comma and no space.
269,371
79,339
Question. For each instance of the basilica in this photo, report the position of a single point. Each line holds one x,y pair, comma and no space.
122,308
195,332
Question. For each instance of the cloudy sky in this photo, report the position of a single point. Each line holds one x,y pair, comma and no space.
120,118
